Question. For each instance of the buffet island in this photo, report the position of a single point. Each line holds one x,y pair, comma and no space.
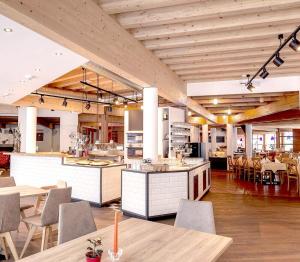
150,194
95,180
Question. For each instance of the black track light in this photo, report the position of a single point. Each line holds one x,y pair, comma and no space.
88,105
65,103
295,44
41,100
278,61
125,103
250,87
264,74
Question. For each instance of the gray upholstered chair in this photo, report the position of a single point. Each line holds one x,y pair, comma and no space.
196,215
9,221
9,182
70,228
49,216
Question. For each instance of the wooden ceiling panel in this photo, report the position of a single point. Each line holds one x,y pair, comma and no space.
226,38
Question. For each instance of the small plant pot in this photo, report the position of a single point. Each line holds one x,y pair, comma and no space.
89,258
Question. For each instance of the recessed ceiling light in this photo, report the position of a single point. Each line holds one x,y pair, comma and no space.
58,53
7,30
28,76
215,101
229,111
189,113
37,69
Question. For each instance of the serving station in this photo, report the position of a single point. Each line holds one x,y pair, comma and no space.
96,181
153,194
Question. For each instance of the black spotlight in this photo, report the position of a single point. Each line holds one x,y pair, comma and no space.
125,103
41,100
250,87
109,109
278,61
295,44
65,103
264,74
88,105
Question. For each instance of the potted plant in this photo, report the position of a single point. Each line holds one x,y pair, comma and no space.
94,250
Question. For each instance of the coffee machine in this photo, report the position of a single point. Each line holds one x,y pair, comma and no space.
195,149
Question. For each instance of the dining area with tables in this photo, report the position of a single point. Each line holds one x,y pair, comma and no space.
149,130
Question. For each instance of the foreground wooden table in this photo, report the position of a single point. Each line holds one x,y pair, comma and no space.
25,191
143,241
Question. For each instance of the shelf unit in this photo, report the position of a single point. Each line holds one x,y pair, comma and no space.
180,135
134,145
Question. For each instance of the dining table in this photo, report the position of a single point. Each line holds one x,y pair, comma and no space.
25,191
142,240
273,166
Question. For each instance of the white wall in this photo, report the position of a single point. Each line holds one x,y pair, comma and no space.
195,134
51,139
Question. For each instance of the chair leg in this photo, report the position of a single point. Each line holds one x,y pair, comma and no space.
3,245
45,238
288,183
37,204
50,236
29,237
11,245
24,216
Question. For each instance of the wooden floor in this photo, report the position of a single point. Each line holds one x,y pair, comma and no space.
264,221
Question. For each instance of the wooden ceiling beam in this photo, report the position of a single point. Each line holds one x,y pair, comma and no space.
220,48
236,100
291,58
250,67
286,103
238,96
254,33
245,104
199,10
85,28
121,6
219,23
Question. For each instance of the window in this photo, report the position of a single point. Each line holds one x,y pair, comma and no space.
257,142
270,141
286,141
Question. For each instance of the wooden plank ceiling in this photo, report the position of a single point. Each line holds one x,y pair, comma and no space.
239,103
205,40
69,85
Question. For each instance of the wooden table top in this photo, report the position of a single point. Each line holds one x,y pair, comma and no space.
143,241
25,191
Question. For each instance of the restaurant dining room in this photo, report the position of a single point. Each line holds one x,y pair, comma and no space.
149,130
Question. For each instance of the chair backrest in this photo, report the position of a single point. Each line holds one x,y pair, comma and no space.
7,181
9,212
55,197
61,184
256,164
70,228
196,215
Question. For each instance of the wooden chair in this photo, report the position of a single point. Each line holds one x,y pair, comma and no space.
250,170
41,199
9,221
196,215
257,170
242,169
70,228
49,216
292,173
9,182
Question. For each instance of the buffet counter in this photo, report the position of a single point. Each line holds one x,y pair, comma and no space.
153,194
98,183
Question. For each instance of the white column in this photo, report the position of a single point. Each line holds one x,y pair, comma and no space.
27,121
229,139
213,135
249,141
234,139
150,115
205,139
68,125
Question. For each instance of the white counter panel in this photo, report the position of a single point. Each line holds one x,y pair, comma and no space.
165,192
134,192
43,171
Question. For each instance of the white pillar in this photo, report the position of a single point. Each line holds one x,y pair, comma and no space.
249,140
229,139
150,115
234,139
213,135
205,139
27,121
68,125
